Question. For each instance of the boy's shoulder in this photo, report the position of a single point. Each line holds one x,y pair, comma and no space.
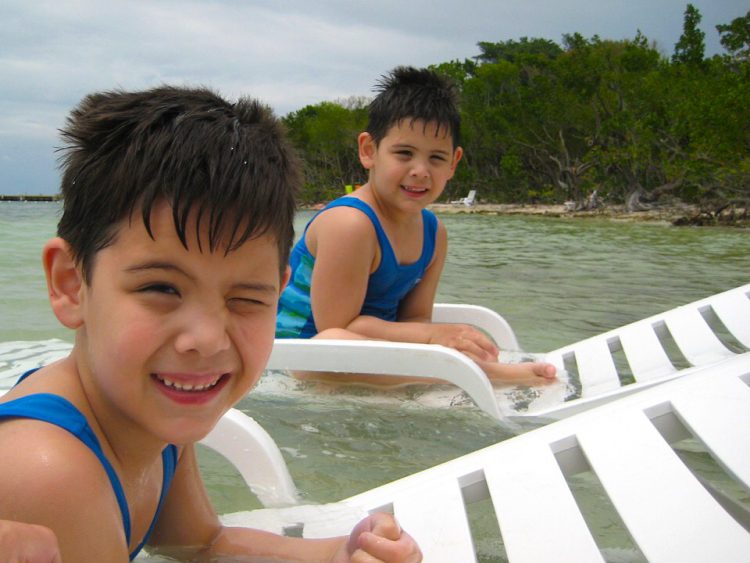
40,454
343,220
52,478
43,465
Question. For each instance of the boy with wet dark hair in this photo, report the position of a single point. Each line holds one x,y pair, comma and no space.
415,95
368,264
129,151
168,266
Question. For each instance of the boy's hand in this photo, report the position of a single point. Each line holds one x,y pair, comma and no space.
27,543
379,538
465,339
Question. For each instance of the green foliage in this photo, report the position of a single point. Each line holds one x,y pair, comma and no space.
517,51
326,136
691,47
735,37
543,122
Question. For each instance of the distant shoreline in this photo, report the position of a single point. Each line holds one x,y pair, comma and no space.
679,214
669,213
675,214
29,197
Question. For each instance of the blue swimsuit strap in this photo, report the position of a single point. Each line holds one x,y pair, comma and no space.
365,208
59,411
169,462
429,223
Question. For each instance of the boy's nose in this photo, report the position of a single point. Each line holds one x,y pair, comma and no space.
419,170
205,333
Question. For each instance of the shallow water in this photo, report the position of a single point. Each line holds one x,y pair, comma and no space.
555,280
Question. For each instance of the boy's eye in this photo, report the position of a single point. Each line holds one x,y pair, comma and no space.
163,288
403,153
438,157
246,304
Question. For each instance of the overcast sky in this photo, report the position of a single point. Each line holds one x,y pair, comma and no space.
288,53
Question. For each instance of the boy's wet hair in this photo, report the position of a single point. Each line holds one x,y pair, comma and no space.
416,95
125,152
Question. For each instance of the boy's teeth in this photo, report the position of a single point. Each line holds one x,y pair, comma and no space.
187,386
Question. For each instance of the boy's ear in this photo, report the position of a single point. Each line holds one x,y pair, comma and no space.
285,278
367,149
64,282
457,154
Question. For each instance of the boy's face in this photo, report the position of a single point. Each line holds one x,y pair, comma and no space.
412,163
173,337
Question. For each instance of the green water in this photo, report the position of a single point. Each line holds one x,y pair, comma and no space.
555,280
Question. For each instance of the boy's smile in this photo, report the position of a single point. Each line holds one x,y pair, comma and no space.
173,337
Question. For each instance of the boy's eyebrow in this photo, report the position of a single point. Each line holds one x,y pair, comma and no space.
157,265
168,266
409,146
257,286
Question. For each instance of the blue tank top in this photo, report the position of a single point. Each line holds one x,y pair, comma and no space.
386,287
61,412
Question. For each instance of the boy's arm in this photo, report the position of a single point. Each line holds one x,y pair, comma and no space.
188,526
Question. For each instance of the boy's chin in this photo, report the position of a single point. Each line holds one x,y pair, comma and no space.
192,435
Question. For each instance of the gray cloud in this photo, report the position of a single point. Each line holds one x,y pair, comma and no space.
288,53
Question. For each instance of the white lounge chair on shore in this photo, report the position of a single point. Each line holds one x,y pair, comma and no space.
468,201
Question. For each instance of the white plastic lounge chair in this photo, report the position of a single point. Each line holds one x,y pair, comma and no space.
468,201
594,370
670,513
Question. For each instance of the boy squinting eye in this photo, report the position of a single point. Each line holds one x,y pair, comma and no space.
247,304
164,288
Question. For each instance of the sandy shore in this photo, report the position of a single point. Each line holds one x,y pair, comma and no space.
682,214
613,212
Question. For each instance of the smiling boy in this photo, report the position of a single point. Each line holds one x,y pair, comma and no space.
170,259
368,265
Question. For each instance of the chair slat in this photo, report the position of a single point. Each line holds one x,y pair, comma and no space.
733,309
720,418
435,516
694,337
596,367
655,493
644,352
535,508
